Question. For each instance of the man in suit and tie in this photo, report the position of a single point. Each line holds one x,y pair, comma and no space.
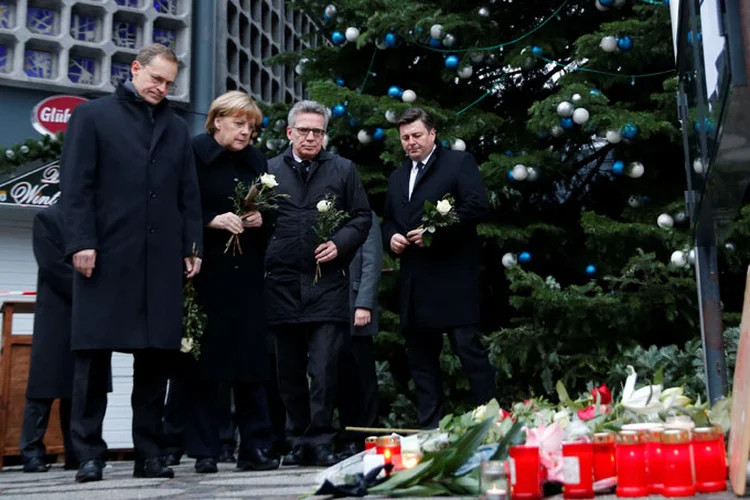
439,291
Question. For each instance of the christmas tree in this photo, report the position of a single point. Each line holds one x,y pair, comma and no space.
569,106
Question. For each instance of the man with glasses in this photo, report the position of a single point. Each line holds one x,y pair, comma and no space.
310,319
132,224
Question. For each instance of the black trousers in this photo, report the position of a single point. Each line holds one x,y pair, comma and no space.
312,350
276,408
209,403
423,351
90,384
358,389
35,421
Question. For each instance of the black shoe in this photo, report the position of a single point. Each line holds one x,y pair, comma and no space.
152,467
227,455
90,470
324,455
301,454
348,450
256,459
206,466
172,459
71,464
35,464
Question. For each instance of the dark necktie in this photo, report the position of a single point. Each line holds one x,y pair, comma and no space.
304,169
420,171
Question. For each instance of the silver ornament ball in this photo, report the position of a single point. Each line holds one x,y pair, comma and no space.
24,149
565,109
330,11
449,40
484,12
436,31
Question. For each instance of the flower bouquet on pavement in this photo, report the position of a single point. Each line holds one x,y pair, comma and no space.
329,219
193,318
437,215
259,196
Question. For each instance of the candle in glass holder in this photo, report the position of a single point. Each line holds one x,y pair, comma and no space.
525,473
710,459
630,452
388,446
494,480
410,459
678,463
604,456
654,461
371,442
578,470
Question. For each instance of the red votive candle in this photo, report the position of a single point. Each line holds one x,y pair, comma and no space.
371,442
578,470
710,459
604,456
678,463
525,473
630,453
388,446
654,461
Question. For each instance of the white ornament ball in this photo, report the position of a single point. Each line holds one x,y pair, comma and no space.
326,140
520,172
10,154
608,44
600,6
576,97
679,259
449,40
565,109
409,96
301,65
484,12
691,256
271,145
477,58
465,72
436,31
458,145
698,166
557,131
635,201
391,116
330,11
352,34
636,170
364,137
665,221
509,260
533,174
581,116
24,149
613,136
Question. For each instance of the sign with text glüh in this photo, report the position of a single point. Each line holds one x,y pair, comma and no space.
39,187
52,114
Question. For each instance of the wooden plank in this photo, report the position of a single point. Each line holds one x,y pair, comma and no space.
739,433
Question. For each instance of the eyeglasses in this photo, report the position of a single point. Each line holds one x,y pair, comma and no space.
159,80
304,131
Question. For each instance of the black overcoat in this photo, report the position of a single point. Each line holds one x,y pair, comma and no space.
130,191
291,295
364,274
439,285
51,370
234,345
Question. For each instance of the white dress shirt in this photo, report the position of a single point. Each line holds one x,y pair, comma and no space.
415,171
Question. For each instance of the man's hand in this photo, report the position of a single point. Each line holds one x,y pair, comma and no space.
326,252
228,221
192,266
362,316
415,236
252,219
398,243
84,261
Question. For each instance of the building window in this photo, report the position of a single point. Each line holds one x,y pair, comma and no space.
38,63
4,59
120,73
81,70
129,3
124,34
166,37
41,21
166,6
83,28
6,16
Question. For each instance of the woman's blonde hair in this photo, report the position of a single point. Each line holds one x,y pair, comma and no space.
234,103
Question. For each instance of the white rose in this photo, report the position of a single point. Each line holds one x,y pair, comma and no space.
561,418
268,180
323,206
186,345
480,413
443,207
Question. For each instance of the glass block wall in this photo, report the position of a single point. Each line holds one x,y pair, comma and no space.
64,45
251,30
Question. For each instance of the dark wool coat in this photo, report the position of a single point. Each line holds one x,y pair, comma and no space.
364,273
130,191
51,370
234,345
439,285
291,296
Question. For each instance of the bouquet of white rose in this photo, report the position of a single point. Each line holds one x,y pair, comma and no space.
441,214
329,219
259,196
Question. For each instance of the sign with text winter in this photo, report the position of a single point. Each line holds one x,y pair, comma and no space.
39,187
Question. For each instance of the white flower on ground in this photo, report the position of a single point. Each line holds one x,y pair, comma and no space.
186,345
443,207
268,180
674,396
323,206
562,418
479,413
644,400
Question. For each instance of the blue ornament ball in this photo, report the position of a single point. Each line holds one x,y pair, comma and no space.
607,3
265,122
434,43
390,40
354,122
566,123
338,38
595,92
338,111
444,143
340,82
591,269
629,131
509,153
379,134
625,43
395,91
537,51
524,257
451,62
708,126
618,167
510,175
